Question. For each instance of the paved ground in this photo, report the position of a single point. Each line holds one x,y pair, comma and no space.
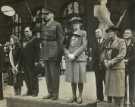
65,90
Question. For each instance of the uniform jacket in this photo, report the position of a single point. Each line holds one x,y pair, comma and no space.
78,45
52,41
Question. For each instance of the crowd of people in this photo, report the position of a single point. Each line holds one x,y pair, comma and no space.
113,60
113,63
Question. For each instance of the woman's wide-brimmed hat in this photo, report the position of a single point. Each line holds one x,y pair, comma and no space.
113,28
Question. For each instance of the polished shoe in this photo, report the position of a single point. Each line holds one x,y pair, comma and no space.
79,100
99,100
49,96
109,99
26,94
54,98
1,98
34,95
72,100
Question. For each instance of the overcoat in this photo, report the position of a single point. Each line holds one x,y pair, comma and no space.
115,51
51,41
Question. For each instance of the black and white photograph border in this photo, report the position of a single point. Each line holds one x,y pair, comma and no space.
67,53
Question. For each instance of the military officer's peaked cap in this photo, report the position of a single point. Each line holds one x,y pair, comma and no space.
113,28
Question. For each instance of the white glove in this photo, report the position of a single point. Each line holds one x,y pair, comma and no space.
107,63
71,57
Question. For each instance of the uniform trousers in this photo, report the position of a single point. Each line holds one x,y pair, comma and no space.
52,75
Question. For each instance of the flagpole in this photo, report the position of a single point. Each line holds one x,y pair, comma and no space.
121,18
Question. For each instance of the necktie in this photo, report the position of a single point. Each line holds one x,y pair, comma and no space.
99,41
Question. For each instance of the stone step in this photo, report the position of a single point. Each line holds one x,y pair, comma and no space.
39,102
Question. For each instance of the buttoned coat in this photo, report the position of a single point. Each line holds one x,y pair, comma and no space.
97,55
52,41
115,51
76,69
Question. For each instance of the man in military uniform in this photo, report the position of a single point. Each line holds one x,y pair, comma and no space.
130,64
115,52
29,59
51,52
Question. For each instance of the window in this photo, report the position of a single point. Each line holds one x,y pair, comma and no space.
17,25
73,8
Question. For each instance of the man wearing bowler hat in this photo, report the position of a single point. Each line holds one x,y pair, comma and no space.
51,52
115,51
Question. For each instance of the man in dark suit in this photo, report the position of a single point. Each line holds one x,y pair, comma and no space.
29,59
98,68
51,52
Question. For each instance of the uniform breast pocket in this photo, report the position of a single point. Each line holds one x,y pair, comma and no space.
52,31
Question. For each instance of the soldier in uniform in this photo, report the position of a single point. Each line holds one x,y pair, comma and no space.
130,64
51,52
115,53
28,61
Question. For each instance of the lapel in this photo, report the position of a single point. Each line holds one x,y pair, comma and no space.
115,43
25,43
49,23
